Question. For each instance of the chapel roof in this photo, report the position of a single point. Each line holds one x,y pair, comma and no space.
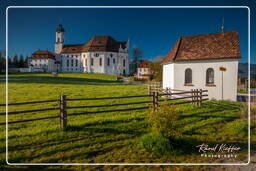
205,46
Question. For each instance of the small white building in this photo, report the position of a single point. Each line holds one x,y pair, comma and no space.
143,70
42,61
206,61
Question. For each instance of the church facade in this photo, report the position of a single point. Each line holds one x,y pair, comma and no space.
101,54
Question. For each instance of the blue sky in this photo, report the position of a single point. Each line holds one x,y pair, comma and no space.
154,30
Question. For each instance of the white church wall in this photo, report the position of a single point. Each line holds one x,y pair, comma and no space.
199,77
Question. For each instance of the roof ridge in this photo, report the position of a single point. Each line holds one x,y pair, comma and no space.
179,42
210,33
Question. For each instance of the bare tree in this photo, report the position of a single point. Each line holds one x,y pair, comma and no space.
137,55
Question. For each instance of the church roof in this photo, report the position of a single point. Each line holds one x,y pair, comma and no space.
97,43
43,54
205,46
72,48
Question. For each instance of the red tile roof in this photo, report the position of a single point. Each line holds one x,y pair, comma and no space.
205,46
145,64
97,43
75,48
43,54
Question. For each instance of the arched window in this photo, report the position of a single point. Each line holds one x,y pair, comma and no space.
108,61
209,76
188,76
124,63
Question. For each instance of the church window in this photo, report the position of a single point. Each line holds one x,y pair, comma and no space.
111,55
76,63
72,62
124,63
114,61
108,61
188,76
100,61
86,62
91,61
96,54
209,76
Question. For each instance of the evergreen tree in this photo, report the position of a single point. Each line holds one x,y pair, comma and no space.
10,60
15,60
26,62
2,62
21,62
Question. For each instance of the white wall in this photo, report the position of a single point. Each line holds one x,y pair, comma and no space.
43,64
174,77
112,68
142,71
71,68
168,76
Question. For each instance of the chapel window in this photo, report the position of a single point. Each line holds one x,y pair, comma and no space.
188,76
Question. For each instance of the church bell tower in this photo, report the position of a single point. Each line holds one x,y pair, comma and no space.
59,39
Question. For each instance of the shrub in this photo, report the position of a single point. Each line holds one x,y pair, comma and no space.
163,120
157,144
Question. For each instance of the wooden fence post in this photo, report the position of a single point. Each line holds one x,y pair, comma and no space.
63,112
155,99
201,93
156,96
192,98
197,97
149,89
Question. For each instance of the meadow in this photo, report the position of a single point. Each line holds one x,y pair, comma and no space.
107,137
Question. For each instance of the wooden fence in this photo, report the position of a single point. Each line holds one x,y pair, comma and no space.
194,96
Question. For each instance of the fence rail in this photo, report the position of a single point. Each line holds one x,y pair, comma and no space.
195,97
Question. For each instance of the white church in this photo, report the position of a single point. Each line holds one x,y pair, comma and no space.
205,61
101,54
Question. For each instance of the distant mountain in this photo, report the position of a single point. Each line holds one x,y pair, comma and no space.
243,70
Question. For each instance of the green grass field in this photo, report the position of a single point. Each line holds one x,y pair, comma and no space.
106,137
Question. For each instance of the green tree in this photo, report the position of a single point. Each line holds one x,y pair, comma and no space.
157,71
26,62
2,62
21,61
10,60
15,60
